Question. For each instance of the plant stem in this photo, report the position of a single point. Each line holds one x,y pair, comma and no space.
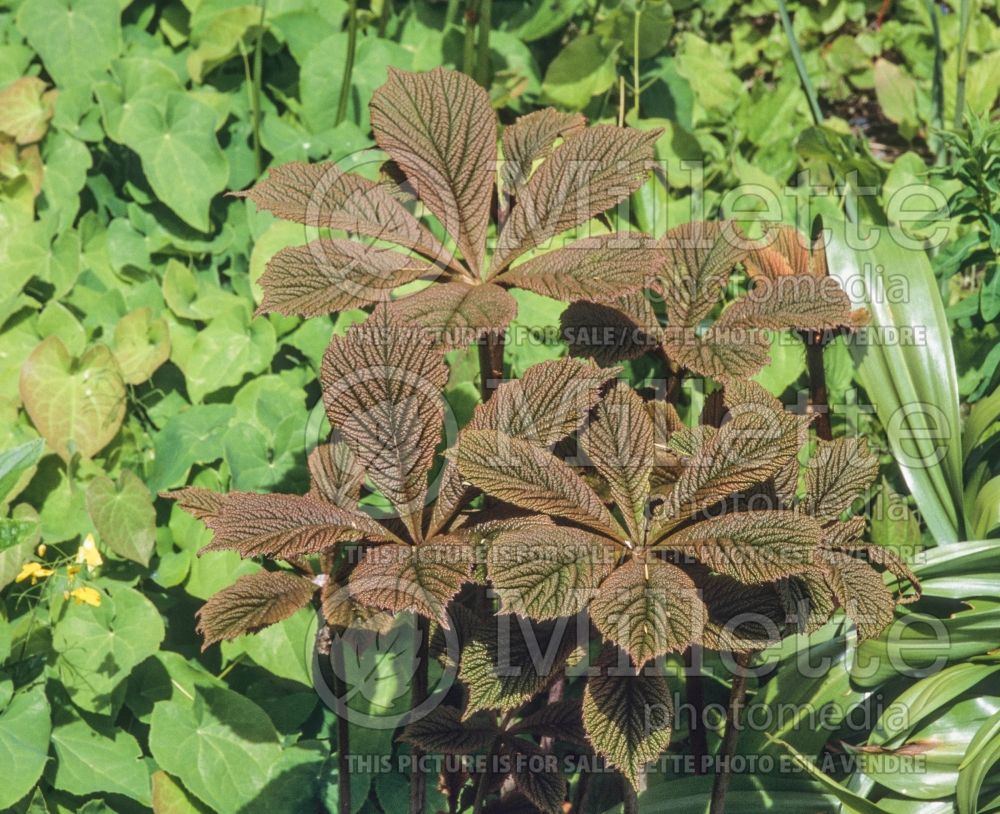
352,41
636,91
343,728
383,19
490,363
580,795
258,70
469,45
631,799
483,44
418,780
963,52
482,783
818,396
800,65
737,696
937,87
696,700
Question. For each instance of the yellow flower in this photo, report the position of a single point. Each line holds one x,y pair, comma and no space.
88,554
84,596
42,549
33,571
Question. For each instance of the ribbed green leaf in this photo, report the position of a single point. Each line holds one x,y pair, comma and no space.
530,138
905,380
282,526
457,314
587,174
336,474
648,608
837,474
508,661
444,730
594,268
325,196
440,128
628,718
381,387
699,257
619,443
546,404
754,546
519,473
422,578
620,329
333,275
253,602
547,572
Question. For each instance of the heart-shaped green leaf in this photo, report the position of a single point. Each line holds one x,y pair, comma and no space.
124,516
73,401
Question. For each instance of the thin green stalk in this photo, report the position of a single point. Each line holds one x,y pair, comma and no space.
383,19
469,45
258,70
483,44
937,88
636,90
418,780
963,53
352,41
800,65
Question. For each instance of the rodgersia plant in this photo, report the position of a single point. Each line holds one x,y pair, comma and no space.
567,495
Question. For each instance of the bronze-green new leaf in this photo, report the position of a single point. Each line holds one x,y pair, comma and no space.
440,128
381,387
253,602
